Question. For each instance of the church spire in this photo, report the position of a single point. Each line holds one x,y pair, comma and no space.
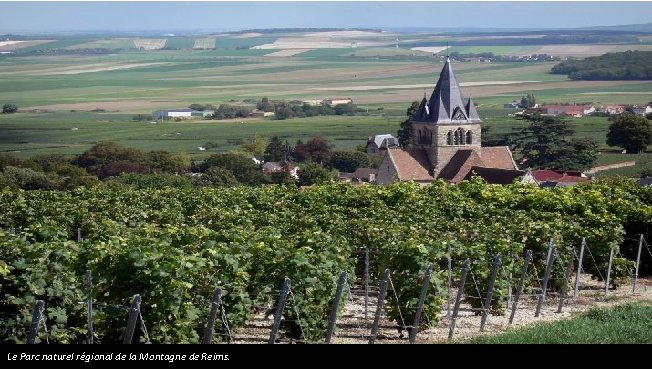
446,104
471,112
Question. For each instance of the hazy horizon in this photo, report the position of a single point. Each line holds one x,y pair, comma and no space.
149,16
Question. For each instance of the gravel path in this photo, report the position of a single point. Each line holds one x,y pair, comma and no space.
353,328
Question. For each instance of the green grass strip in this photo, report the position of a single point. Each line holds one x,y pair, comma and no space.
631,323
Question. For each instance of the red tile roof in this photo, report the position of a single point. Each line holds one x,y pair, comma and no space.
411,165
414,165
552,175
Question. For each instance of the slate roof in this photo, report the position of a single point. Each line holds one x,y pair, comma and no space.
446,104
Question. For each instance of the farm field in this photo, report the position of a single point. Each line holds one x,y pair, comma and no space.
99,93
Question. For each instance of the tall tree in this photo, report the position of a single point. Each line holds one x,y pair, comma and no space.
317,149
276,150
404,134
256,146
312,173
349,161
240,164
531,101
104,153
548,143
631,132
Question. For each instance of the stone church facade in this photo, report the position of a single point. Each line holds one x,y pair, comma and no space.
446,140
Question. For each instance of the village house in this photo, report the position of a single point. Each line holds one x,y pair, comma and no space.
378,143
554,178
569,110
281,167
360,176
613,109
446,135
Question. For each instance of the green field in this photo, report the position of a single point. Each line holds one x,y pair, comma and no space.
626,324
52,133
58,91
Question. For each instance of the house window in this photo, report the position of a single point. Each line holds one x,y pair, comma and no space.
449,138
469,137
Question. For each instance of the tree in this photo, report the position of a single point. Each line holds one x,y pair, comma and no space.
404,134
349,161
531,101
547,143
8,160
240,164
317,149
345,109
104,153
115,168
265,105
577,154
312,173
165,162
216,176
631,132
256,146
276,149
28,179
9,108
528,101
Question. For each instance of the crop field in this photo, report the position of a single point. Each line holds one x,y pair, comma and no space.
43,133
204,43
149,44
99,93
107,43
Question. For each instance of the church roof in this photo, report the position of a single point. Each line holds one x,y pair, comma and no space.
495,175
411,165
446,104
414,165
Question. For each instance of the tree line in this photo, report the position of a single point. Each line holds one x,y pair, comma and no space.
117,166
628,65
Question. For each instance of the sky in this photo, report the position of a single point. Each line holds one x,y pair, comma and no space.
128,16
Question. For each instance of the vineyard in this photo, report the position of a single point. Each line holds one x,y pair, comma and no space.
175,247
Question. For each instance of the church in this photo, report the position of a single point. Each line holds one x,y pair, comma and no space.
446,132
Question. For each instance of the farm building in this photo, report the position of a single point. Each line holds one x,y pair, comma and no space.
260,114
446,135
313,102
182,113
337,101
